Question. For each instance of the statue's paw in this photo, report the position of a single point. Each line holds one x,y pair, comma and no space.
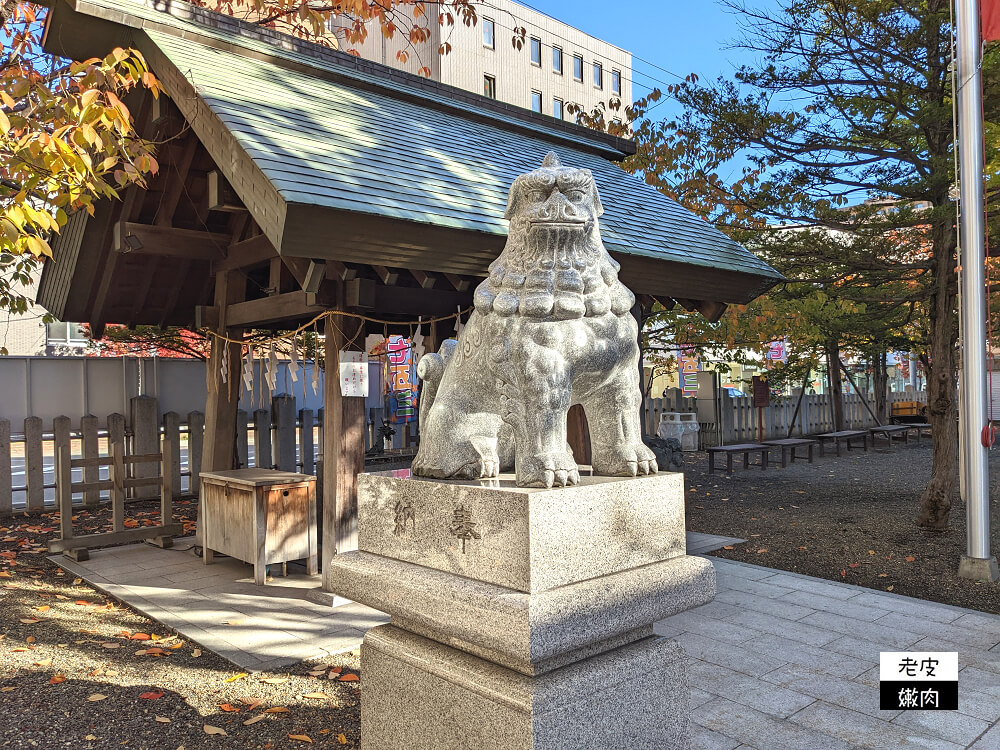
480,468
626,460
556,469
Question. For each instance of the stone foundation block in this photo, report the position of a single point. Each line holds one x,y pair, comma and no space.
422,695
523,538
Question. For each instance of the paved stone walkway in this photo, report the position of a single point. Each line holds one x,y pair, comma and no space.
780,661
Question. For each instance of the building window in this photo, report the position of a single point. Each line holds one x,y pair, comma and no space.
489,39
490,86
536,51
557,63
557,108
65,334
577,67
536,101
616,82
598,76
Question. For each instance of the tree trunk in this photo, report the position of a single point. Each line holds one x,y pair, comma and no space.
939,364
832,348
880,384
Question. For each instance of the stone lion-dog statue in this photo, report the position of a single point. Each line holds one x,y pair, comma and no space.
552,327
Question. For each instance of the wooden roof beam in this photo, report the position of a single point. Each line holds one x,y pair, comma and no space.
274,309
175,184
337,270
147,239
460,283
426,280
251,252
387,277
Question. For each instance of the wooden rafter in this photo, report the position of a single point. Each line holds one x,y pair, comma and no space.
426,280
176,178
459,282
246,253
147,239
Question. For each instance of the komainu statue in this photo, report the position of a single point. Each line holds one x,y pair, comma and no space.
552,327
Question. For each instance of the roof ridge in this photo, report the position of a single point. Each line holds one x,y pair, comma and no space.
354,69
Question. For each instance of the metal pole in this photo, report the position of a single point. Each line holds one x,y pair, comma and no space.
978,563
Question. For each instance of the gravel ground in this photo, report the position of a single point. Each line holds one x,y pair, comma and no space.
79,670
849,519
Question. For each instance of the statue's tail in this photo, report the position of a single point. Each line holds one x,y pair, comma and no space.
430,369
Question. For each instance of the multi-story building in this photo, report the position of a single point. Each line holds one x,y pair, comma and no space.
555,66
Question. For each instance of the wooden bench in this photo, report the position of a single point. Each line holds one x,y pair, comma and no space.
788,447
920,427
745,448
843,435
888,430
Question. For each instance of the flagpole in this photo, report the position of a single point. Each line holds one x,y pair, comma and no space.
978,563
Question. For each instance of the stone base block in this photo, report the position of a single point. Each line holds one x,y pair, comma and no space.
523,538
530,633
979,568
422,695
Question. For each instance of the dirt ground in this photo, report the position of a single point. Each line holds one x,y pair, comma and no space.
849,519
79,670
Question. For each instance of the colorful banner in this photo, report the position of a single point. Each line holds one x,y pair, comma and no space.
400,379
777,351
688,366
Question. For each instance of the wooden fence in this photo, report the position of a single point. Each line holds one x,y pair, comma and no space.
737,420
282,437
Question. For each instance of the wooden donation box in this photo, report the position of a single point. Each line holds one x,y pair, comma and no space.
259,516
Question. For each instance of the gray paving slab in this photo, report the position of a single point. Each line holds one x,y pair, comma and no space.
736,568
758,729
979,639
948,725
908,605
981,622
706,739
762,588
778,648
847,608
791,629
862,629
737,658
778,607
967,657
989,740
862,730
983,680
692,622
836,690
794,582
749,691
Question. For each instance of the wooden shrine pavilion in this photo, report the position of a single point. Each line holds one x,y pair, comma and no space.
295,179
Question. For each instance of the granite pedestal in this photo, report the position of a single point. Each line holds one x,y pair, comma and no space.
522,617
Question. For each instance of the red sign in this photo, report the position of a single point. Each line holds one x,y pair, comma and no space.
989,19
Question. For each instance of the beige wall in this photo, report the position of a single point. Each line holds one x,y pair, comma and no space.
516,76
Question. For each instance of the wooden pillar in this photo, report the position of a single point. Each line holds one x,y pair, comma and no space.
223,398
578,434
343,446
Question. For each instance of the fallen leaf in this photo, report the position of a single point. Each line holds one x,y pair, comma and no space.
196,653
230,708
254,704
300,738
152,695
139,637
30,639
883,575
179,644
853,565
7,690
909,558
29,620
890,588
255,719
235,677
276,710
871,552
77,581
209,729
729,546
275,680
57,678
96,697
317,696
341,739
43,663
161,719
843,574
90,737
43,608
349,678
762,550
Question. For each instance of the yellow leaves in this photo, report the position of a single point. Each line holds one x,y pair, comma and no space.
161,719
235,677
43,663
96,697
57,679
229,708
254,720
196,653
276,710
316,696
341,739
301,738
274,680
4,122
